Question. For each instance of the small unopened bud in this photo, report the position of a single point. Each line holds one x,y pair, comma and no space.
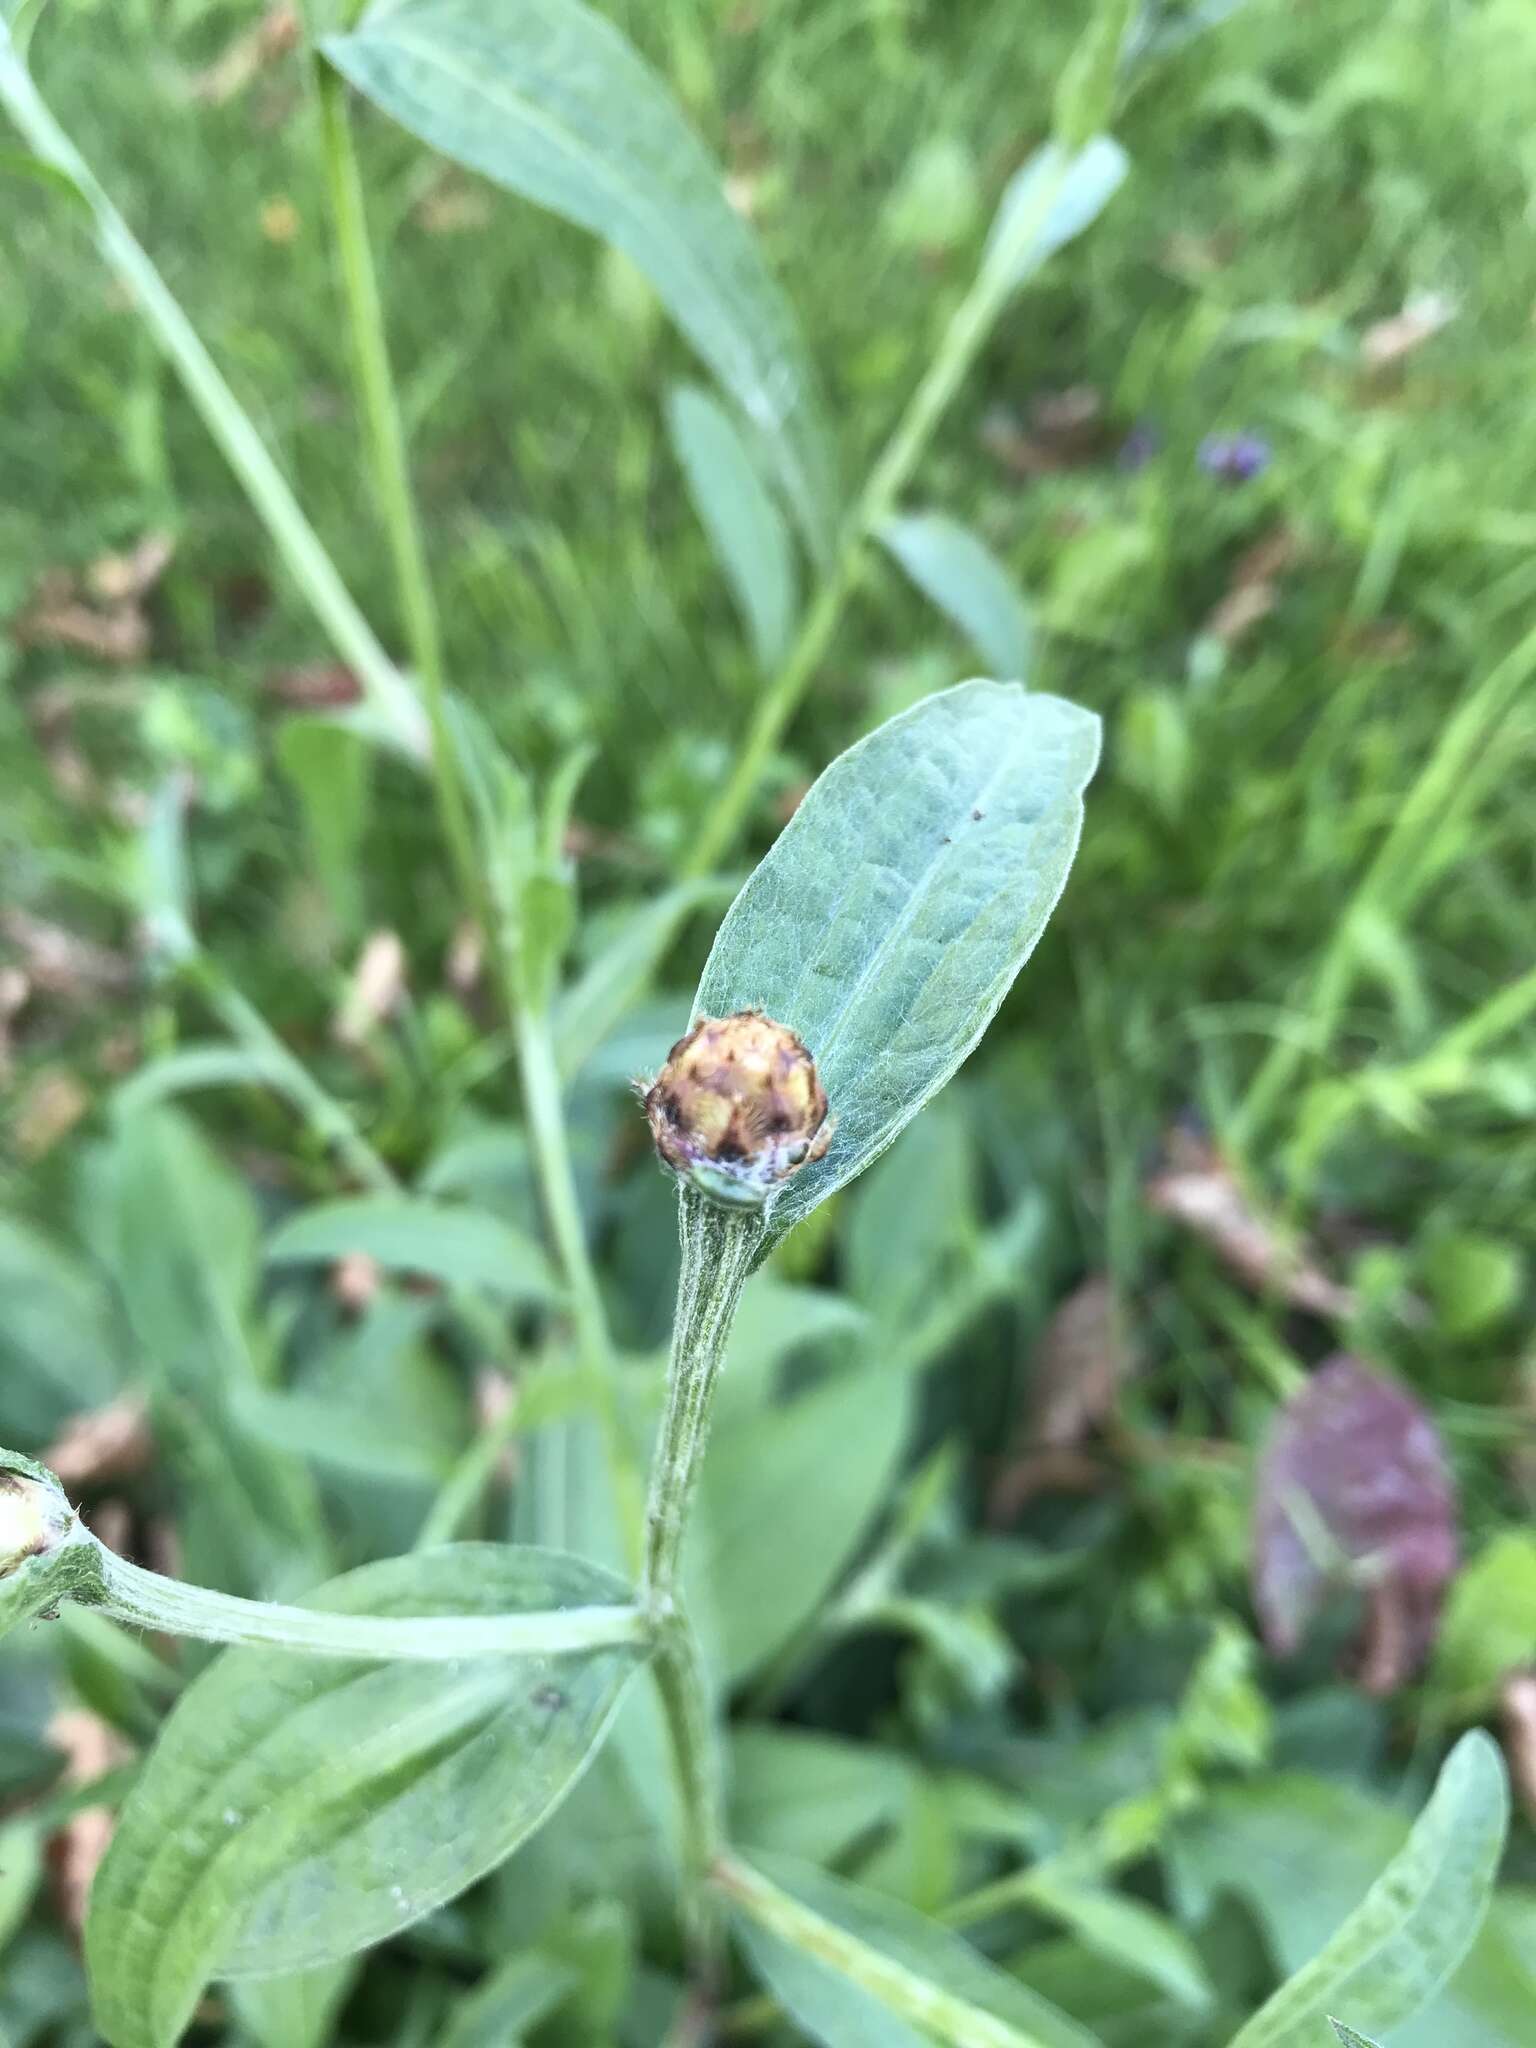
34,1520
738,1107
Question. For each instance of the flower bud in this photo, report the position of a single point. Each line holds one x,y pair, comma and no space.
738,1107
34,1520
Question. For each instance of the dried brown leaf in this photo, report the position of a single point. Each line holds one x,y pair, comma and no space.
374,992
103,1443
1197,1188
1517,1700
1080,1365
247,56
1424,315
91,1748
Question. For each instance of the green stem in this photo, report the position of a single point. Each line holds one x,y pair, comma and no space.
547,1131
962,342
146,1600
719,1249
396,713
903,1991
386,444
326,1117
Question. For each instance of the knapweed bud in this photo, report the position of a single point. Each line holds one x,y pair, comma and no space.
738,1107
34,1520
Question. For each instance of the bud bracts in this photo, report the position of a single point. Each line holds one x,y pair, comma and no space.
738,1107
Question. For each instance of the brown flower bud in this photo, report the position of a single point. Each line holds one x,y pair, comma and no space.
738,1107
34,1519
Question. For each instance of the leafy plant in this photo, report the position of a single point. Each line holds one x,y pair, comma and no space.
358,1760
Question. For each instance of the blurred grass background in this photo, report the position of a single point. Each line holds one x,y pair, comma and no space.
1279,661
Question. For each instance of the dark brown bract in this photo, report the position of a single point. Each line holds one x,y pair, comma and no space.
738,1107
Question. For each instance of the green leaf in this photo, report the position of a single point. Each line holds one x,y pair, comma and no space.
608,986
191,1068
810,1795
298,1809
1489,1626
1128,1933
1418,1920
456,1246
835,1451
523,1991
891,916
1048,204
1349,2037
329,766
296,2011
744,525
548,99
967,582
947,1987
58,1347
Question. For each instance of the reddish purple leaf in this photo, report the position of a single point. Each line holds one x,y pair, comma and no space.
1353,1487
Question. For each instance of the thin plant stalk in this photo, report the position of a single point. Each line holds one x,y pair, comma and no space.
386,445
145,1599
395,711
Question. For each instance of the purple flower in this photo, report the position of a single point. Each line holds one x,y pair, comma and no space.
1234,458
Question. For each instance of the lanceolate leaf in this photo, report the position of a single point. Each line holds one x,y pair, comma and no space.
1417,1921
1349,2038
547,98
297,1809
457,1246
889,920
1049,203
744,525
968,584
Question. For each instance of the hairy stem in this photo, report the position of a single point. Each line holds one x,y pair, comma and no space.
394,710
719,1247
542,1105
146,1600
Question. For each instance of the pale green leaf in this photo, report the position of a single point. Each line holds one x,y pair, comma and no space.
293,2011
58,1347
457,1246
891,916
1128,1933
518,1994
1489,1625
839,2012
745,526
1048,204
190,1068
835,1451
298,1809
548,99
800,1793
1418,1920
1348,2037
329,765
594,1003
962,576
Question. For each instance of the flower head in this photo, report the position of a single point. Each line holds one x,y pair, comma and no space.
1234,458
34,1519
738,1107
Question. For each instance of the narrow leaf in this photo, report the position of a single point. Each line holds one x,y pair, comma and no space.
891,916
458,1247
858,1970
296,1810
745,526
1417,1921
548,99
968,584
1349,2037
1048,204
